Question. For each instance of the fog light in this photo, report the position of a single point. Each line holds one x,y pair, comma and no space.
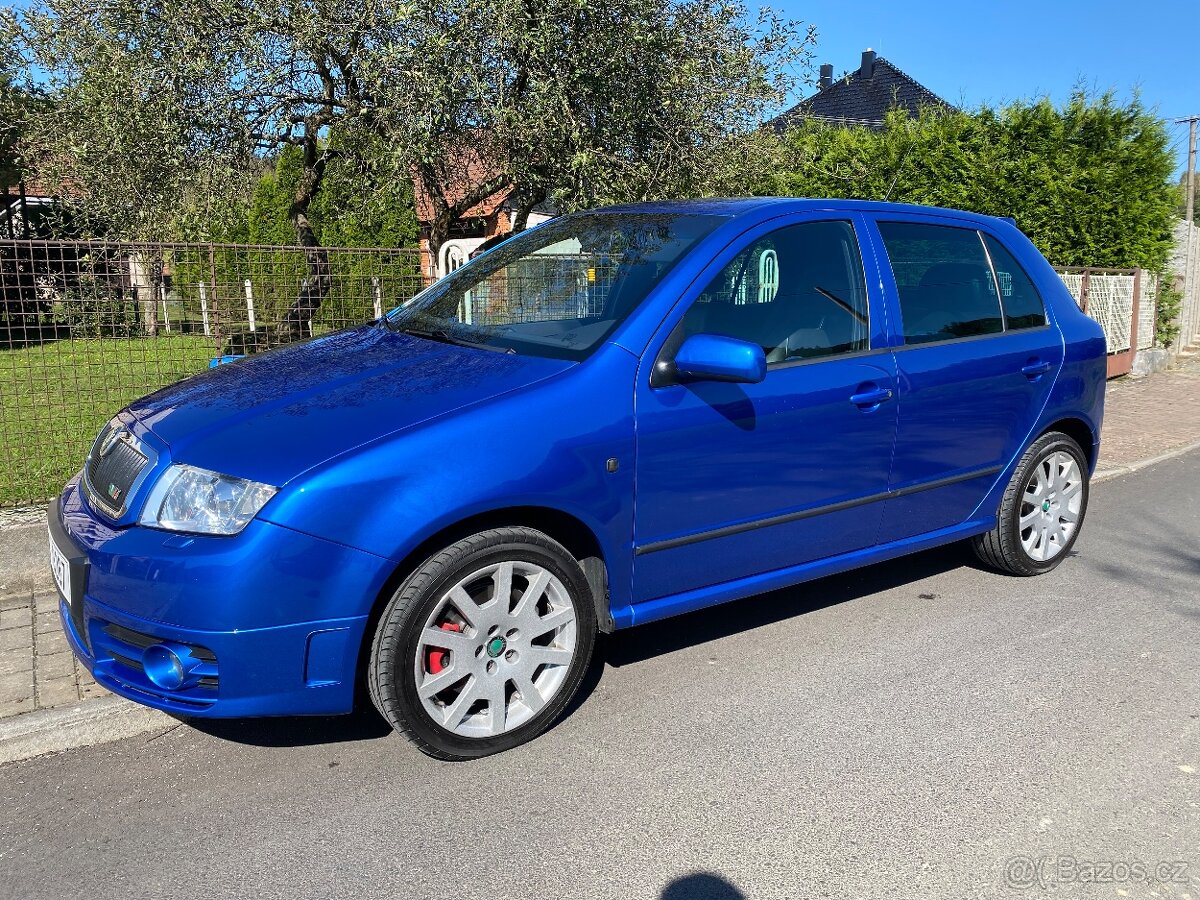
171,666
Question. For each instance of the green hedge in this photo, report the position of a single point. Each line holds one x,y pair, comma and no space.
1090,181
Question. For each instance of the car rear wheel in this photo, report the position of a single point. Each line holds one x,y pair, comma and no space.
483,646
1042,509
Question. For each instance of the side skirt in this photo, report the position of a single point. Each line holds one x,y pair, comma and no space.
676,604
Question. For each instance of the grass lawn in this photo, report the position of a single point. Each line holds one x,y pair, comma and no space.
55,397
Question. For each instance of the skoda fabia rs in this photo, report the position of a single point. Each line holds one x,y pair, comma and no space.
618,416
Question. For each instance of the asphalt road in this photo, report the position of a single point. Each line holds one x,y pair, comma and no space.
904,731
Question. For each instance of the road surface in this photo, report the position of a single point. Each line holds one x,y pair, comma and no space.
921,729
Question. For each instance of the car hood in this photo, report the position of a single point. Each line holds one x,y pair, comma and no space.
271,417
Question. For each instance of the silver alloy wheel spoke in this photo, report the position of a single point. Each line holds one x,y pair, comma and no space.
485,665
1050,506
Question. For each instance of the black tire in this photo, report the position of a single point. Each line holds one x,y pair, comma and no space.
391,679
1001,548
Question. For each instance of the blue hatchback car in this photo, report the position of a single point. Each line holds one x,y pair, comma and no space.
615,417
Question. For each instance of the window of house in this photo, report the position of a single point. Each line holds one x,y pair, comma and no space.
798,292
944,281
1023,306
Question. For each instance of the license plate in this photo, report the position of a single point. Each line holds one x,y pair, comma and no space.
61,569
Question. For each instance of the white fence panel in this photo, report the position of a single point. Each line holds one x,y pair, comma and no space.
1109,302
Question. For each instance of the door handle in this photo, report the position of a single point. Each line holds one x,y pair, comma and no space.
871,397
1035,370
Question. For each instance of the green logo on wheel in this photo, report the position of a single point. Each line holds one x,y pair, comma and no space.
1045,506
496,646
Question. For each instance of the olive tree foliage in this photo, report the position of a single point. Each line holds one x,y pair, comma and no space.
163,113
579,102
14,102
161,110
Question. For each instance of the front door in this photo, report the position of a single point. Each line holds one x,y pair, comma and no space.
735,480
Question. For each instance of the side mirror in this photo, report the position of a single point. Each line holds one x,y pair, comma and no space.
714,357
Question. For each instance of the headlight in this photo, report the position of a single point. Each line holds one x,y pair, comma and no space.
190,499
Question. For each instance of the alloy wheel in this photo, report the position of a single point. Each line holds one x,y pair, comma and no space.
1050,506
495,649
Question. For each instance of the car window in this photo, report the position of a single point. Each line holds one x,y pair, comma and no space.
798,292
1023,306
557,290
944,282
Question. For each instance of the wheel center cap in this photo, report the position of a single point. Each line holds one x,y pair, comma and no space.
1045,506
496,646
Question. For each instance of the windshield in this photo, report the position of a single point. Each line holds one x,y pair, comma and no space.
558,290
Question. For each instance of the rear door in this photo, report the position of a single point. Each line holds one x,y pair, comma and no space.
976,358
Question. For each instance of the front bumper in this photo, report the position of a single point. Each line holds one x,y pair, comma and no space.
274,618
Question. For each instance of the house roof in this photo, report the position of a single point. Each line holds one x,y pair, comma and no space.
863,96
466,168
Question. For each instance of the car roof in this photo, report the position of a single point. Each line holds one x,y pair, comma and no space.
736,207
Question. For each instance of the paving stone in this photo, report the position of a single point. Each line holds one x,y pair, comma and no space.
57,691
16,686
16,707
82,675
12,663
56,665
91,690
14,639
51,642
16,617
1145,417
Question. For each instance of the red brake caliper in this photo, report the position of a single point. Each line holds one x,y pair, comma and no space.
438,658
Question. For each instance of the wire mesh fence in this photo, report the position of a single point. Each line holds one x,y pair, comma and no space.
88,327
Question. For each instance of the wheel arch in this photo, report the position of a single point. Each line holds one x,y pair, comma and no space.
575,535
1080,432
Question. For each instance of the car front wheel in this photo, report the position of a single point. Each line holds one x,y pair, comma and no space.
483,646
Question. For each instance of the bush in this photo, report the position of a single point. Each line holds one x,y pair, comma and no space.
1090,182
94,307
1166,310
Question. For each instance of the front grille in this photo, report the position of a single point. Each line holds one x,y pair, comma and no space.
112,467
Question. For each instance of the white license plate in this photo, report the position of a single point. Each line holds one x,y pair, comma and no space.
61,569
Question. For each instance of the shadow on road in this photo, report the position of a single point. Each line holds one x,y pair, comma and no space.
624,648
296,731
647,641
701,886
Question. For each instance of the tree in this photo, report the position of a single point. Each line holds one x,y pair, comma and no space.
163,112
162,109
14,101
581,102
361,203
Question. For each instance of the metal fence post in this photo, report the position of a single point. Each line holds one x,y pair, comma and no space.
250,303
204,309
1083,289
1134,338
377,295
162,293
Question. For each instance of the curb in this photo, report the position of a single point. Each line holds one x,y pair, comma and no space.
67,728
1106,474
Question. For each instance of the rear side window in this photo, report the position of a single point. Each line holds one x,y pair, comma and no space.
1023,306
944,281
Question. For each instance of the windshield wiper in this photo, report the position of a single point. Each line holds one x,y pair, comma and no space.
445,337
